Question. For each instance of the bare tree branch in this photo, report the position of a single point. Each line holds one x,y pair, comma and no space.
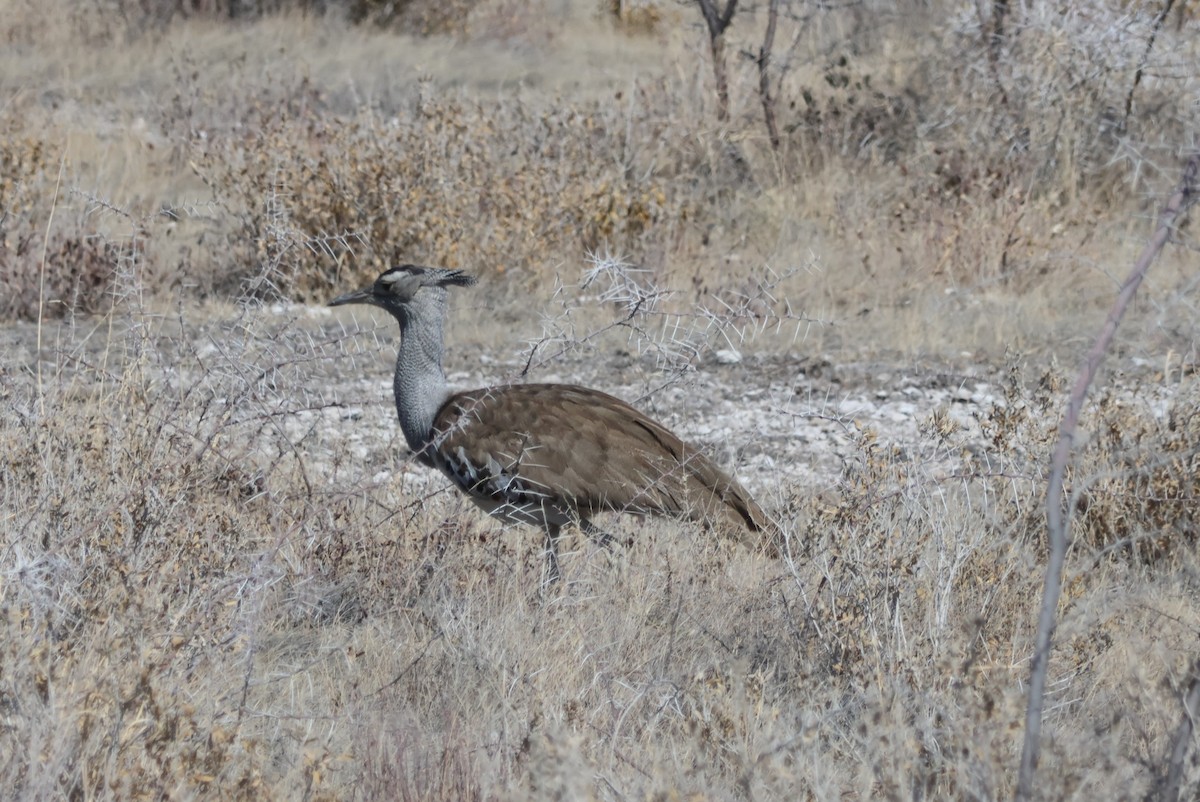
1056,515
995,35
764,79
717,22
1169,789
1137,77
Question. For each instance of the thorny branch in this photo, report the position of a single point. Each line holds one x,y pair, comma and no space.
677,339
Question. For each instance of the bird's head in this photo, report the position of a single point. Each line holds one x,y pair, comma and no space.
399,289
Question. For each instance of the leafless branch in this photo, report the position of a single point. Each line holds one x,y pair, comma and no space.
1056,515
764,79
1169,789
996,35
717,22
1137,77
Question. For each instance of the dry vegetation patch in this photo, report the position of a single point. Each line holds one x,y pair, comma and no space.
451,183
202,596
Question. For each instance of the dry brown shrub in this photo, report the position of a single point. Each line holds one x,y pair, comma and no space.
639,17
106,553
846,115
206,590
55,272
1139,489
107,22
494,187
157,557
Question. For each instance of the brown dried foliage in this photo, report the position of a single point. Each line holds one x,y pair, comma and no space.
214,595
1141,491
54,272
448,182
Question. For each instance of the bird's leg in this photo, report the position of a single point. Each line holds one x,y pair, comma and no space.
596,533
552,573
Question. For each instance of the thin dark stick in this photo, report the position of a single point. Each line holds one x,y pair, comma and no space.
1056,515
764,79
996,45
1137,76
717,22
1182,739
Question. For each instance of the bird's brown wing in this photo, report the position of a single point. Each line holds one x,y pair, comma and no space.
584,450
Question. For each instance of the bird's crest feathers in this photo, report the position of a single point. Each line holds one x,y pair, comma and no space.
399,285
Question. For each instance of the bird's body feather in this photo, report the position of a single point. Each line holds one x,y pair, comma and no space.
533,452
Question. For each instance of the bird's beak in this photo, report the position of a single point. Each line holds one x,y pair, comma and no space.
363,296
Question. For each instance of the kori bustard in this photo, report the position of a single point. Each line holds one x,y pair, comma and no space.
548,455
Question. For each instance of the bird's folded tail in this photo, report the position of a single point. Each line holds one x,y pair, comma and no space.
730,508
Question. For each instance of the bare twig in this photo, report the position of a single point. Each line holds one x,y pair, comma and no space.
996,36
1056,515
1137,76
764,80
1169,789
42,281
717,22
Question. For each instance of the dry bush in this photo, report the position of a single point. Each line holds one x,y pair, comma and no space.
497,187
126,20
423,17
1047,133
906,175
953,141
1140,491
48,268
638,17
1051,106
927,587
153,558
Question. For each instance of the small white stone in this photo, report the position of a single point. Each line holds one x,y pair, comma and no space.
728,356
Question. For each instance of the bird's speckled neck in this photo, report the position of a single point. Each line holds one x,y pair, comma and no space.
420,382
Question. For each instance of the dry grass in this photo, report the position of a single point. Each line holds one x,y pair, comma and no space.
208,589
214,582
